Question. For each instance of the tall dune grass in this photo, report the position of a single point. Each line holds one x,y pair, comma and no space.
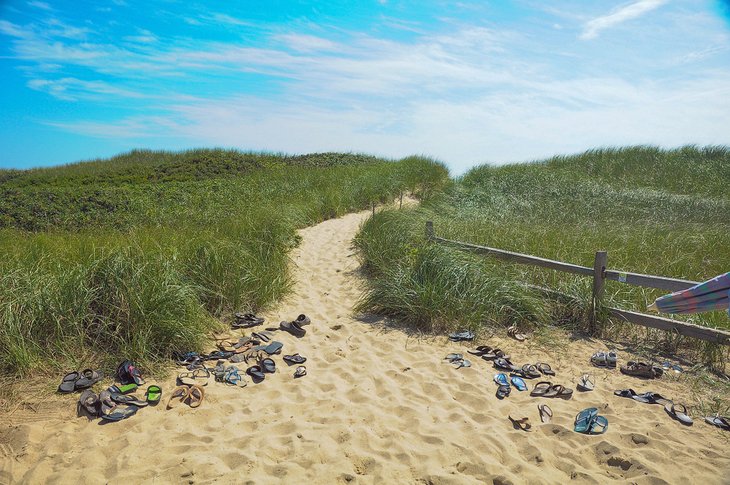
120,259
662,212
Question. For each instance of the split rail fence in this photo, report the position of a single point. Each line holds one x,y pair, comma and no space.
600,273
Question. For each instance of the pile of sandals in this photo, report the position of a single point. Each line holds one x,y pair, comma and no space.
117,401
256,351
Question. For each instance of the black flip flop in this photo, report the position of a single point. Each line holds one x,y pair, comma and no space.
120,412
529,371
545,368
541,388
271,349
68,383
256,373
504,364
461,336
127,399
300,372
503,391
481,350
294,359
268,365
678,412
630,393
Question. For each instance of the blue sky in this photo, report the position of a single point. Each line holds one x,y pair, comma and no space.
466,82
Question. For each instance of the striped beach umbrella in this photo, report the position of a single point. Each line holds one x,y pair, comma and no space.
703,297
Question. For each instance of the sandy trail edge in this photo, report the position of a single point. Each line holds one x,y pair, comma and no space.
376,407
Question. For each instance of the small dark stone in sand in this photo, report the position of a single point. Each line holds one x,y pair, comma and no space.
347,477
406,369
188,474
336,327
299,435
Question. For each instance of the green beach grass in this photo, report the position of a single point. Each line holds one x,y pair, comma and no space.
662,212
138,256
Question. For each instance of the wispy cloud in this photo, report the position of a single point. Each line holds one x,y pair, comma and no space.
593,27
72,89
41,5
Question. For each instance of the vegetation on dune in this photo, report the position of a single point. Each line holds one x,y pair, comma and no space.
133,257
662,212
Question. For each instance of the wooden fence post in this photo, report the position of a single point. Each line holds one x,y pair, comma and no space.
429,230
599,281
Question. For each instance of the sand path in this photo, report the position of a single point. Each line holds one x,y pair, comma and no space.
377,407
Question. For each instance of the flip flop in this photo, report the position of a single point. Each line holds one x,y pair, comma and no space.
598,422
153,394
545,369
218,354
518,383
461,363
195,396
232,377
529,371
123,388
454,357
88,378
560,391
501,379
89,403
680,415
503,391
127,372
504,364
513,332
541,388
719,421
246,320
523,424
546,414
271,349
294,359
127,399
586,383
198,377
120,412
256,373
301,371
178,395
584,419
481,350
495,354
461,336
604,359
651,398
268,365
68,383
630,393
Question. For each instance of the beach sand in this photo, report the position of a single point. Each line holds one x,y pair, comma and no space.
378,406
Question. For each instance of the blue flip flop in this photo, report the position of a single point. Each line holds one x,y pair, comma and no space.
518,383
598,422
584,419
501,379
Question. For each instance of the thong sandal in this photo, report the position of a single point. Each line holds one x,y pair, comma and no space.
119,412
719,421
198,377
586,383
301,371
513,332
195,396
495,354
546,414
87,379
256,373
178,395
294,359
89,403
529,371
518,383
545,369
481,350
584,419
127,399
541,388
523,424
560,391
680,415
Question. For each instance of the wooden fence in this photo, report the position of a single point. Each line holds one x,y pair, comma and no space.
600,273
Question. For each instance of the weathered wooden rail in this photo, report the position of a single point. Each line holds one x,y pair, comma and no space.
600,274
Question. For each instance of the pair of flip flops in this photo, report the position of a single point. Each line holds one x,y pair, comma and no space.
504,389
191,395
246,320
488,353
642,369
77,381
457,360
463,336
548,389
198,377
258,372
676,411
589,422
295,327
513,332
604,359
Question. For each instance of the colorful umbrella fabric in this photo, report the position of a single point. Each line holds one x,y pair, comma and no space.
703,297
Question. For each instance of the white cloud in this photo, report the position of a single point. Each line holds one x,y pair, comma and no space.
72,89
41,5
593,27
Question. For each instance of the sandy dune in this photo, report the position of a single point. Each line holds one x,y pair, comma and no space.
377,407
